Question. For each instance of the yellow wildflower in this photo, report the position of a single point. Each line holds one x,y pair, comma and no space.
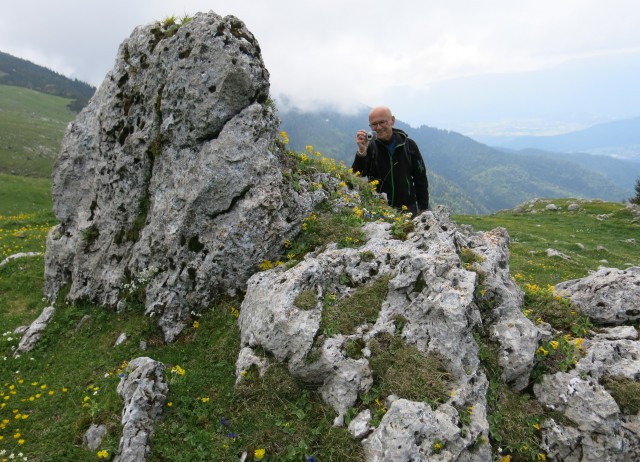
542,351
103,454
554,344
196,324
258,454
506,458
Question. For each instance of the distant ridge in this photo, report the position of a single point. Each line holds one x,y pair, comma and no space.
22,73
620,139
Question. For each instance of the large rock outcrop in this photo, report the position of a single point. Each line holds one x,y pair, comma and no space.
430,304
169,187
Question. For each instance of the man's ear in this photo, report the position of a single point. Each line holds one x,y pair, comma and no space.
393,120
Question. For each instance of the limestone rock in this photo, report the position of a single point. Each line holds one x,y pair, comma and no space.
411,431
585,402
359,427
93,437
608,296
144,392
16,256
428,288
557,253
169,186
611,358
33,333
501,301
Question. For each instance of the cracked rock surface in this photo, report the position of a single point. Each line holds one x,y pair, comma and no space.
169,185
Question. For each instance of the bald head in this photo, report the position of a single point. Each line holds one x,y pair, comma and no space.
381,120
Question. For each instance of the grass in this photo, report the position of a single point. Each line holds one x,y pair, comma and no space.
576,234
31,128
68,382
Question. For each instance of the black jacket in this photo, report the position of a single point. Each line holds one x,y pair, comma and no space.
402,174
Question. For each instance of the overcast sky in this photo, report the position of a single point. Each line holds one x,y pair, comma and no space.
432,62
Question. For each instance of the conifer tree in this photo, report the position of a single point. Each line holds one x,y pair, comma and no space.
636,199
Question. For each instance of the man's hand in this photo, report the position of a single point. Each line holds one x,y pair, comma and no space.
361,141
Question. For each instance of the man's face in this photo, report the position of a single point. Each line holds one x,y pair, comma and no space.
382,122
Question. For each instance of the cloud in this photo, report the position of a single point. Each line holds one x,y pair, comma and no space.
342,54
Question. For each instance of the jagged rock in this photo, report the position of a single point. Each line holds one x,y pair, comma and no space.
93,437
144,392
34,332
573,207
568,444
608,296
616,333
501,304
430,289
359,427
611,358
584,401
552,207
412,431
246,359
169,186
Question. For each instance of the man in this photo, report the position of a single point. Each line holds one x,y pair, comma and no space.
395,161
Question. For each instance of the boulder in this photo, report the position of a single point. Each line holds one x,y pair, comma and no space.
34,331
169,186
144,392
608,296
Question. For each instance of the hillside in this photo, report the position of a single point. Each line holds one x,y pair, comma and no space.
22,73
468,176
31,129
620,171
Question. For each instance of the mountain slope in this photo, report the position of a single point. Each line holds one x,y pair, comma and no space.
22,73
31,129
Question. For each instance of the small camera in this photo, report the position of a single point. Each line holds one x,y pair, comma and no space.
372,135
